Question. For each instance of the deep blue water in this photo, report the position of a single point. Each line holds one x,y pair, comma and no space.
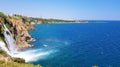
78,45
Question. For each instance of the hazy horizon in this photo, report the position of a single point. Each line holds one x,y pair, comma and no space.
64,9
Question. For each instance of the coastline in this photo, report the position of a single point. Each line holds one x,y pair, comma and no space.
19,27
19,31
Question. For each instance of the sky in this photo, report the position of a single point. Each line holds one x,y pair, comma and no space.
64,9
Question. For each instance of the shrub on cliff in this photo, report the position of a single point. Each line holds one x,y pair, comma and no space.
3,53
1,30
2,62
2,14
19,60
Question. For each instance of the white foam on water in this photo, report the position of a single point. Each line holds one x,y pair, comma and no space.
45,45
34,55
30,55
57,40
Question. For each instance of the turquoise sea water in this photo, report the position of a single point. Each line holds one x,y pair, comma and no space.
77,44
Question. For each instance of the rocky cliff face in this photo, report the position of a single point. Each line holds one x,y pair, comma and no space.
19,30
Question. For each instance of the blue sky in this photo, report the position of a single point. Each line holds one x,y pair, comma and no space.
64,9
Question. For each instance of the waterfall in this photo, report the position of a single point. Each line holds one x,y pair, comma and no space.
10,41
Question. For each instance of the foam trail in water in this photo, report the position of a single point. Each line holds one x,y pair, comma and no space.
29,55
34,55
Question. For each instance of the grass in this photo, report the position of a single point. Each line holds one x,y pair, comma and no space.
8,64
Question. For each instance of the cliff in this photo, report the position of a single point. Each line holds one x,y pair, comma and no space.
19,26
19,30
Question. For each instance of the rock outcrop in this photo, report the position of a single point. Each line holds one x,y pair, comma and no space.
19,30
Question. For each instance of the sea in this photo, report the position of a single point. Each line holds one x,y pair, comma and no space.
91,44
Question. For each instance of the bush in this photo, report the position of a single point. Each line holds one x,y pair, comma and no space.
1,29
2,62
3,53
19,60
2,14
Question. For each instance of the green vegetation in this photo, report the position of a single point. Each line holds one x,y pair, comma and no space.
34,20
43,20
1,34
52,20
18,60
3,53
1,29
24,18
8,64
1,37
2,14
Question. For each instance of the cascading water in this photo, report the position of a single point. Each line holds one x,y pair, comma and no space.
10,41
